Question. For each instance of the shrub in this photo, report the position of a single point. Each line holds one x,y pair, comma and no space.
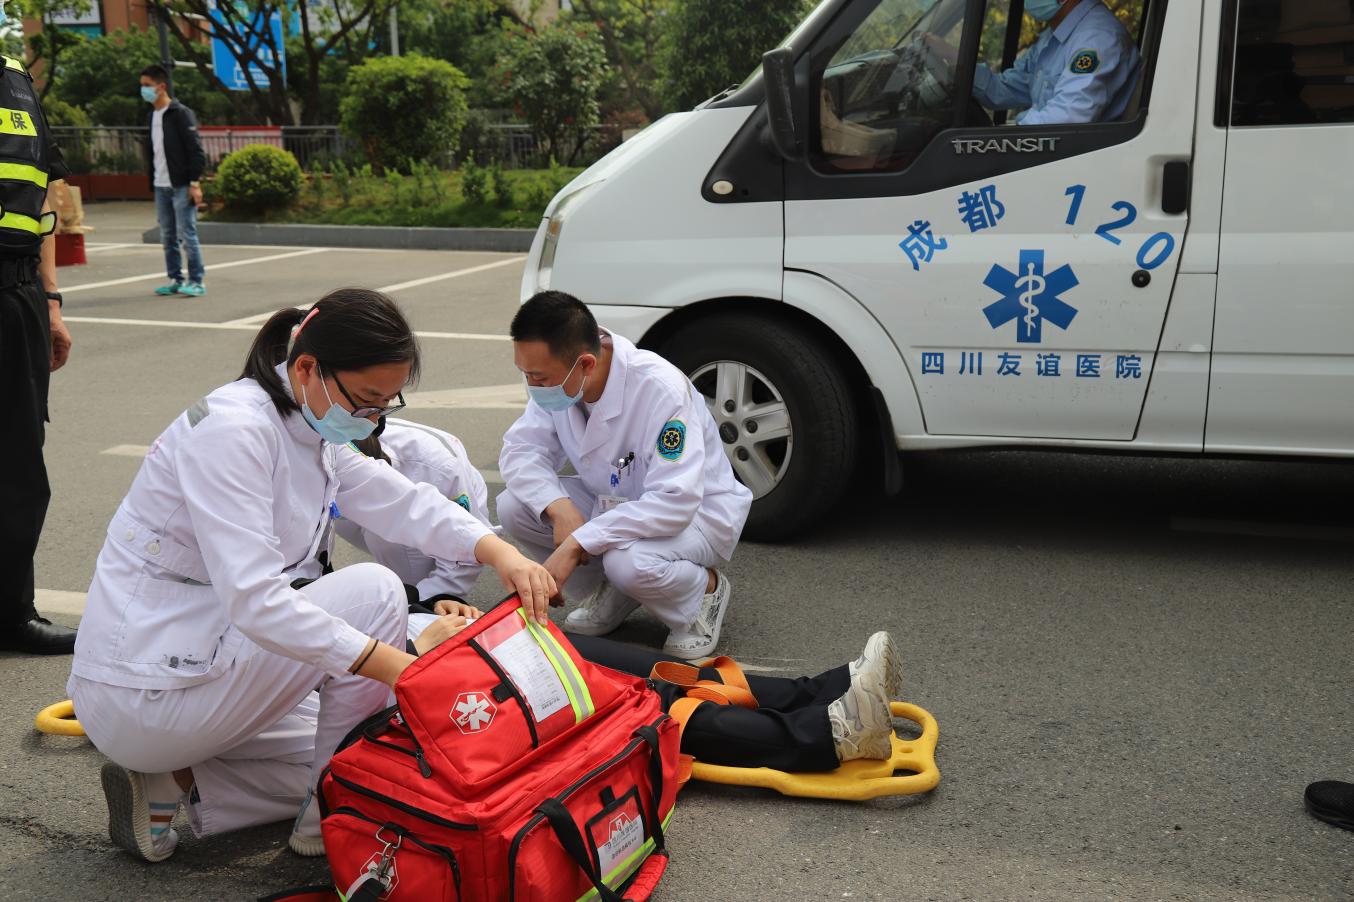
259,177
59,112
502,189
404,108
474,184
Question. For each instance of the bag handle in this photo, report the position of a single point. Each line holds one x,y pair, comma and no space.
566,831
650,737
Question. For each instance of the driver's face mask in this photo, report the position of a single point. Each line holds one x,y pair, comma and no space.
1042,10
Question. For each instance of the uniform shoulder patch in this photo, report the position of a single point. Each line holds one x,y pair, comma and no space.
199,412
672,440
464,501
1084,62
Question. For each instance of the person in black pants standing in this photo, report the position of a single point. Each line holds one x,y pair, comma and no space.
33,343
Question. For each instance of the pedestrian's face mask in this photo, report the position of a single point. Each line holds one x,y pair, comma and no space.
149,93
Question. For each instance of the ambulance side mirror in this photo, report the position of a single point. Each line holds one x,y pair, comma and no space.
778,70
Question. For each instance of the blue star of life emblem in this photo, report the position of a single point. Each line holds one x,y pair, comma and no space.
1029,296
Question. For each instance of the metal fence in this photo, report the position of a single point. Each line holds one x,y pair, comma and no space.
109,150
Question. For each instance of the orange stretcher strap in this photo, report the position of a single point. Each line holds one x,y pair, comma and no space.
734,690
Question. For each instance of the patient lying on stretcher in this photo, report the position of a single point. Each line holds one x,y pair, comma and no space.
801,724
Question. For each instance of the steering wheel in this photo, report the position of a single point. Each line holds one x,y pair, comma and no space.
934,83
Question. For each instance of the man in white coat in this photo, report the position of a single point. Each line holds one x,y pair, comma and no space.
654,508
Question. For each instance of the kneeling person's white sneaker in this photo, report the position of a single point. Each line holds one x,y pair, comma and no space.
699,638
601,612
306,839
862,724
140,810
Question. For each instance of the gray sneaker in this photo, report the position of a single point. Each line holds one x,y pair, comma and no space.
699,638
862,724
601,612
135,823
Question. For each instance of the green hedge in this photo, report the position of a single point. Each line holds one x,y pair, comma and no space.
258,178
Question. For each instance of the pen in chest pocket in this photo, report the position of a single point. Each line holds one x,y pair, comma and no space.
620,467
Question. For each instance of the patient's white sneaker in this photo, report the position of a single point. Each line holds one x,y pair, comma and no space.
862,724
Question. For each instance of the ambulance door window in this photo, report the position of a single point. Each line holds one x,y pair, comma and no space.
1294,63
886,91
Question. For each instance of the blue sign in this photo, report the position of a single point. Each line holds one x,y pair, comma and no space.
1030,296
229,68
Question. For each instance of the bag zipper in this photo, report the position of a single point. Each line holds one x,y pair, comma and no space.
424,767
566,793
400,806
512,688
382,719
443,851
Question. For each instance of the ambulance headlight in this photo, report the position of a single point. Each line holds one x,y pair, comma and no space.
554,227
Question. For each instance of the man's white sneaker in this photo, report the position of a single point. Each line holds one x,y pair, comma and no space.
306,839
862,724
140,810
699,638
601,612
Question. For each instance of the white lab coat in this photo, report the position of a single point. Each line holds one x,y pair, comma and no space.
423,454
663,497
229,507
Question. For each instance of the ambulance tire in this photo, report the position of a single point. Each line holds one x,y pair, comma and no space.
824,420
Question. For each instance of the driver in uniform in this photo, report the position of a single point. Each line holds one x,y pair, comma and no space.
1082,68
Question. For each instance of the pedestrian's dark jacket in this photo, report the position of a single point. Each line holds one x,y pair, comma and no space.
183,147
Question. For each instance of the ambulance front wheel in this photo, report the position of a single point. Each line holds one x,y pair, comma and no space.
784,411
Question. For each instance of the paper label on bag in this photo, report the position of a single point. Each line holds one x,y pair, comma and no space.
622,835
531,672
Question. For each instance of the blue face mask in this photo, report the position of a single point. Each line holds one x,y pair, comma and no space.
338,426
554,398
149,93
1042,10
4,17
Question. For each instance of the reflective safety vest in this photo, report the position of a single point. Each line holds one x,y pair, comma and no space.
25,162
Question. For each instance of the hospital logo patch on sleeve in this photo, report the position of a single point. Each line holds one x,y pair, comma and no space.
1084,62
672,440
464,501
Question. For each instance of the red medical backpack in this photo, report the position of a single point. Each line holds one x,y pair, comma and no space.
510,769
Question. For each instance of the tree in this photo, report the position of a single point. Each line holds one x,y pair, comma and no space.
101,77
346,28
707,48
631,31
404,109
47,45
552,78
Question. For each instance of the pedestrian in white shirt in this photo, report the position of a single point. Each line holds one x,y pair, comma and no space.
197,662
654,509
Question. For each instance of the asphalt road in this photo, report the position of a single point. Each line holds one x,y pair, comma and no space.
1137,664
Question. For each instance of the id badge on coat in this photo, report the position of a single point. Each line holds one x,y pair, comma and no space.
610,502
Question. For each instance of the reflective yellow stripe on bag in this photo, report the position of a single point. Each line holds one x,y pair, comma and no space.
574,686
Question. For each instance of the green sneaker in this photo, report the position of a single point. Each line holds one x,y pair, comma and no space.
192,289
172,288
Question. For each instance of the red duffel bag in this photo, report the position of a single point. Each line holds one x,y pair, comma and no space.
510,769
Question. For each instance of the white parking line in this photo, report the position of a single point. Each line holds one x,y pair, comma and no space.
93,247
250,327
428,280
127,450
54,601
211,268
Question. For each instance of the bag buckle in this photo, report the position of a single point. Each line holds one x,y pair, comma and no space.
387,855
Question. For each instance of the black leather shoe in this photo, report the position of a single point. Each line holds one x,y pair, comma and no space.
1332,801
38,636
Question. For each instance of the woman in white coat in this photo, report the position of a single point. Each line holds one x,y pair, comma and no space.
197,663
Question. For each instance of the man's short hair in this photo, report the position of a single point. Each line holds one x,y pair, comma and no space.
560,320
156,73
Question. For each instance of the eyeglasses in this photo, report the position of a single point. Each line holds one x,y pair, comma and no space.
365,411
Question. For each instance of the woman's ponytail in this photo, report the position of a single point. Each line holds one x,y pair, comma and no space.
268,350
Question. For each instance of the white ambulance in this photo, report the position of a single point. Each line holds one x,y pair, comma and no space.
848,253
